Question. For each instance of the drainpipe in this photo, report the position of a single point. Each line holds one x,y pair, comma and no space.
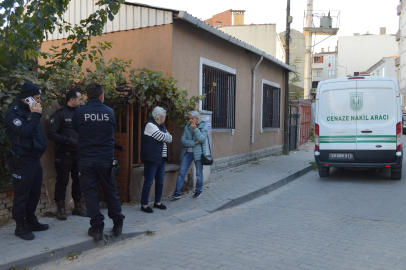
253,99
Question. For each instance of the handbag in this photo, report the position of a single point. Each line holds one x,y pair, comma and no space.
207,159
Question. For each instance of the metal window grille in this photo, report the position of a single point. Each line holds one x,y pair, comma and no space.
271,107
220,96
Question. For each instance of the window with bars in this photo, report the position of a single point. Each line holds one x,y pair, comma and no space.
271,107
219,88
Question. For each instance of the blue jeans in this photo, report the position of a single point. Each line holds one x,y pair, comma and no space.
184,166
153,170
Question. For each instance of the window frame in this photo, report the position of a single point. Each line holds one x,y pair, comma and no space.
276,85
211,63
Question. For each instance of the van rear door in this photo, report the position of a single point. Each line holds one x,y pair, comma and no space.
377,109
337,124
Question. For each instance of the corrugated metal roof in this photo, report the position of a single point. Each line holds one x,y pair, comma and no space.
130,16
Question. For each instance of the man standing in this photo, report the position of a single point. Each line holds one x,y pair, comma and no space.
95,124
28,143
66,140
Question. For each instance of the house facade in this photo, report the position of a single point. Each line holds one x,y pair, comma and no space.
384,68
247,107
324,66
400,61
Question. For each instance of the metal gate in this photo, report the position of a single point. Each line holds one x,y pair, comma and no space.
293,116
305,111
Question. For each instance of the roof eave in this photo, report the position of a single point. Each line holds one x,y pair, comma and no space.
195,21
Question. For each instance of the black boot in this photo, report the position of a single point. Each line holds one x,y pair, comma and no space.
96,232
35,226
79,210
23,231
60,210
118,228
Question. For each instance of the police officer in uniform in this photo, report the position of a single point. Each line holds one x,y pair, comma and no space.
66,139
28,143
95,124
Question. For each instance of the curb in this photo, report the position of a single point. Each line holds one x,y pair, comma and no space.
54,254
262,191
58,253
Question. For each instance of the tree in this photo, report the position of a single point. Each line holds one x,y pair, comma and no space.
25,26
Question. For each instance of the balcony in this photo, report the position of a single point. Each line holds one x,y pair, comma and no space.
398,35
399,9
397,61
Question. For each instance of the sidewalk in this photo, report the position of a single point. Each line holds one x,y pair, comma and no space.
227,188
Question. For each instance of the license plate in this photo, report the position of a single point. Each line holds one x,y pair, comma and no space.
344,156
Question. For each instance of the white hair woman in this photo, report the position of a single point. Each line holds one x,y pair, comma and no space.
154,153
193,146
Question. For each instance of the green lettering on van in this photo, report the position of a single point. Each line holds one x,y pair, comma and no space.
328,118
352,118
372,117
376,117
347,118
380,117
335,118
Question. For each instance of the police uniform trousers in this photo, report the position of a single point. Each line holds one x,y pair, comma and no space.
65,164
90,173
27,176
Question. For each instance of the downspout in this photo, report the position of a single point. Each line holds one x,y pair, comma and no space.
253,99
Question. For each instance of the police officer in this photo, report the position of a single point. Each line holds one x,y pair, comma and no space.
95,124
66,139
28,143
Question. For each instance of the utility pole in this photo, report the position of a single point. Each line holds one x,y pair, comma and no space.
286,114
308,53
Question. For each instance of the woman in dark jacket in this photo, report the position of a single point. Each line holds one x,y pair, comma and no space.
193,146
154,152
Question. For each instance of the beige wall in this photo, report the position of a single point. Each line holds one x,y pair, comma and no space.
148,47
191,43
261,36
297,50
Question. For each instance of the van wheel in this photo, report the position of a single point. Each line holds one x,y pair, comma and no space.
324,172
396,175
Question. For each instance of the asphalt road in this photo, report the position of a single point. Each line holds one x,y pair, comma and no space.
354,219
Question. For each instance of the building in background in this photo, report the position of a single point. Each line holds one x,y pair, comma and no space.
384,68
228,17
261,36
400,61
324,66
297,49
359,52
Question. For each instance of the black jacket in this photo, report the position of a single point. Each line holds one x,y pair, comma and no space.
24,130
61,131
151,149
95,124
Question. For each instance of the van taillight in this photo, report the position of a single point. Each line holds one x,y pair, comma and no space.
316,136
399,136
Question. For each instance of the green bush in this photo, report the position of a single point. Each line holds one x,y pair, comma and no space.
5,176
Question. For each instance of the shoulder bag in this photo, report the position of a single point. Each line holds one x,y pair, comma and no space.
206,159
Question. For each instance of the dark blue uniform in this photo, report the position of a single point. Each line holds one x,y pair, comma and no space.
66,140
95,124
28,143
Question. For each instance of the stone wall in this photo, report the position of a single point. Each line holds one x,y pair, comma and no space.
237,160
6,205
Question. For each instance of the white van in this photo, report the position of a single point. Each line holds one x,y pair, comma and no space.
359,124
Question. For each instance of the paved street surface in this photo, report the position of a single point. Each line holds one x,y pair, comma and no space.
227,189
352,220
